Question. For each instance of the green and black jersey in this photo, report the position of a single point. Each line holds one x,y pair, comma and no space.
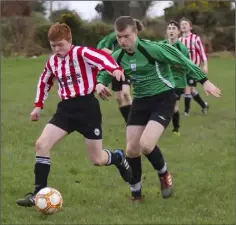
148,67
177,71
109,42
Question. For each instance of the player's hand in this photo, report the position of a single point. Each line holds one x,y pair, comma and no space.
103,91
211,89
119,75
35,114
205,68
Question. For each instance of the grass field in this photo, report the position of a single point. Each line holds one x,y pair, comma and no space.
201,160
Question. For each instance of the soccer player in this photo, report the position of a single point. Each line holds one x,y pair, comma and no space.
173,31
75,68
121,88
198,56
147,63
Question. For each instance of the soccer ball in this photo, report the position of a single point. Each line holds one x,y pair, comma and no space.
48,200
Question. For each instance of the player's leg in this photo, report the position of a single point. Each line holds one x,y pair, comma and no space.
133,153
204,105
158,121
90,126
58,127
175,119
176,116
105,157
49,137
123,98
138,118
187,100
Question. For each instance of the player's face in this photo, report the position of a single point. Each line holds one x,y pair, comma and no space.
172,31
185,26
126,38
60,48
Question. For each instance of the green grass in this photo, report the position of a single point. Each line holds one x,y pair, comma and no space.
201,160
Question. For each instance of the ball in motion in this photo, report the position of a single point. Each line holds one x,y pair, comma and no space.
48,201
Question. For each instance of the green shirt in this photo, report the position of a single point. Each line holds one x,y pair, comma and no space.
149,67
177,71
109,42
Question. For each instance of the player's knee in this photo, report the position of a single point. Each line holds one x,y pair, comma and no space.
42,147
127,98
132,150
146,146
194,93
176,109
119,99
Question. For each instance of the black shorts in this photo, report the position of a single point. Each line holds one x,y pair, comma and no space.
179,92
159,108
191,82
117,85
80,114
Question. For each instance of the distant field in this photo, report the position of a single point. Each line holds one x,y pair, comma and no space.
202,159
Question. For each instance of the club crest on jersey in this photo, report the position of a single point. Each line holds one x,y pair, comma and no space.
133,67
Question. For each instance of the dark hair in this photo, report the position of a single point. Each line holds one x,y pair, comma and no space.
123,22
185,19
139,25
173,22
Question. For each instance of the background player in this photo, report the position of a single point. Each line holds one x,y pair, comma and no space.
198,56
173,31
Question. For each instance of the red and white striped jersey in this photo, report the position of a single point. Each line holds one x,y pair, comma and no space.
195,47
76,73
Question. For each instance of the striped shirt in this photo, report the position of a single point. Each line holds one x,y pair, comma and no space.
76,73
195,47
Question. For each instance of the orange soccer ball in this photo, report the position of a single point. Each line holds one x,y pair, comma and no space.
48,201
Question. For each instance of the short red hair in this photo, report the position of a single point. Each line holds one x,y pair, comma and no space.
59,32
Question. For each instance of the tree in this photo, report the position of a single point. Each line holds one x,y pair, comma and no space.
38,6
110,10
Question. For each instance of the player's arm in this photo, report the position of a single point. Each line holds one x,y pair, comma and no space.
202,53
44,85
101,60
170,55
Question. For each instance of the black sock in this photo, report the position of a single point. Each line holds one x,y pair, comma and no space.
157,160
125,112
114,158
187,101
175,121
199,100
41,171
135,183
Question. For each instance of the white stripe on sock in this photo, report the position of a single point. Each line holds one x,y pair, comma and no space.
135,187
109,156
163,170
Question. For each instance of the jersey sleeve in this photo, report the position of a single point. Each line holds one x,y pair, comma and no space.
99,59
44,85
170,55
103,77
